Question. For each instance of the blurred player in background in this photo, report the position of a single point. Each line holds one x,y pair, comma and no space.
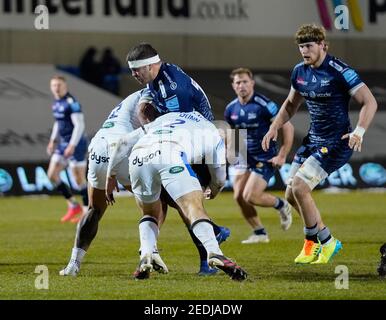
67,146
254,112
162,157
326,84
168,86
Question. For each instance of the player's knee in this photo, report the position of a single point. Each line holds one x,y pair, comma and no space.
253,197
299,188
238,196
290,197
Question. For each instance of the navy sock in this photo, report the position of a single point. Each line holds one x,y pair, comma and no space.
64,189
260,231
200,248
311,233
83,193
278,204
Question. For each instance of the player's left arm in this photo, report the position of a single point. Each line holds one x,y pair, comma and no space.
366,99
77,119
201,101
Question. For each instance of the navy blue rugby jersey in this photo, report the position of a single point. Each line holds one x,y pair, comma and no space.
174,91
327,91
62,109
256,117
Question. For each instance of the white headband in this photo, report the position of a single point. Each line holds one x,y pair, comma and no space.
144,62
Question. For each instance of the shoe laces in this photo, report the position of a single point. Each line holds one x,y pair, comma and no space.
310,247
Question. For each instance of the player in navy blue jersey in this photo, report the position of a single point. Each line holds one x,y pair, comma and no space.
67,146
168,86
326,84
254,112
170,89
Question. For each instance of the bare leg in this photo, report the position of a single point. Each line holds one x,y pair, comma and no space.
249,212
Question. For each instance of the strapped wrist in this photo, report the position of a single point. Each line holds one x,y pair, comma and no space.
359,131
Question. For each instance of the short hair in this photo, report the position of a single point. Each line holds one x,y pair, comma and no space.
142,51
239,71
310,33
58,77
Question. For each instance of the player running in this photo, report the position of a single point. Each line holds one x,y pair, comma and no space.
67,146
326,84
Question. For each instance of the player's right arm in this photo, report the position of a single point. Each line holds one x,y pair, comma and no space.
286,112
54,136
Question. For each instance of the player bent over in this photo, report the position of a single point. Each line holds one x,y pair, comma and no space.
161,158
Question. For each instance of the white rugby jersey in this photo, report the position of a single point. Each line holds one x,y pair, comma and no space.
197,137
123,118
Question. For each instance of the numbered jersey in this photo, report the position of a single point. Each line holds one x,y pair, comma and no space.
123,118
197,137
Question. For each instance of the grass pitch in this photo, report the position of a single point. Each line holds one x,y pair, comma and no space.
31,235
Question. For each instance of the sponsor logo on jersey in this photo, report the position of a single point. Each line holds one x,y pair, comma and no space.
325,83
108,125
301,81
234,116
140,161
98,159
6,181
252,115
324,150
314,79
312,94
176,169
173,85
162,131
335,66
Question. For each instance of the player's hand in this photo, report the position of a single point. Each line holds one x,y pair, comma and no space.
354,142
69,151
277,162
207,194
111,185
50,148
270,135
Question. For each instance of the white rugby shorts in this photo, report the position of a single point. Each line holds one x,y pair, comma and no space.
98,161
161,164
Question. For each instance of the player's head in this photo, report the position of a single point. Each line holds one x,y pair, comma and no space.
242,82
144,62
147,112
58,86
311,40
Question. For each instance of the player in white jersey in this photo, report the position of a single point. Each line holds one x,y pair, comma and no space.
162,157
122,120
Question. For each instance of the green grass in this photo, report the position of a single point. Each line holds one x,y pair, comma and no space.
31,235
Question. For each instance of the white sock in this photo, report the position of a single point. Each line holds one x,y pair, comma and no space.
77,254
148,234
203,230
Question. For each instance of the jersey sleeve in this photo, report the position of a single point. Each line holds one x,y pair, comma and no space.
293,79
74,105
227,114
202,104
351,80
271,109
